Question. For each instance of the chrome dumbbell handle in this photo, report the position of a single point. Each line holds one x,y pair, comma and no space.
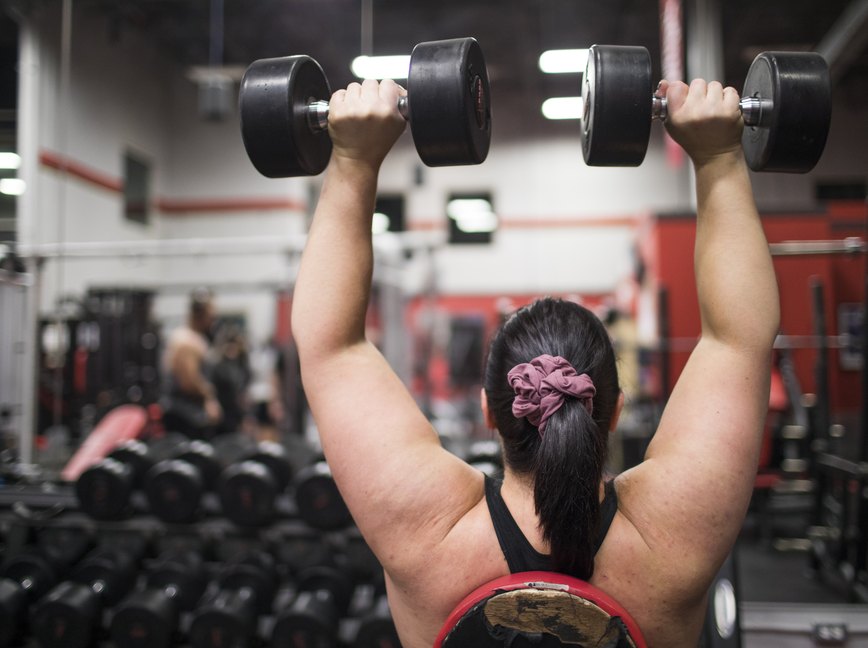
752,109
318,113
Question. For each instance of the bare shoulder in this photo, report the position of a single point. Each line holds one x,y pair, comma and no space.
186,338
654,586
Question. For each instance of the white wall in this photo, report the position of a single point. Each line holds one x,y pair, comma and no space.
564,226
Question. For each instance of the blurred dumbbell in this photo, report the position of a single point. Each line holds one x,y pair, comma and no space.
322,598
296,546
228,613
249,489
175,487
376,627
104,490
70,615
149,618
28,576
318,499
487,457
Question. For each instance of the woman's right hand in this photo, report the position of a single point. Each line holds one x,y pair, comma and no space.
364,121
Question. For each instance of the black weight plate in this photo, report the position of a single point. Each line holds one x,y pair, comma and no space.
137,456
111,572
174,489
273,104
13,606
64,546
66,617
103,490
182,572
202,455
147,619
617,100
791,136
227,619
319,501
32,570
259,583
247,492
329,579
450,102
273,456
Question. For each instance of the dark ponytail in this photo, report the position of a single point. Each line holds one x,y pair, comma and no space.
567,474
567,461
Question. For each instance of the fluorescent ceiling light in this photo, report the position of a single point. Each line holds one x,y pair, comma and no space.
381,67
566,60
12,186
10,160
562,108
380,223
472,215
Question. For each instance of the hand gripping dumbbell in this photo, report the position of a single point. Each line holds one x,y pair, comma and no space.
284,109
249,489
322,597
70,615
318,499
786,106
105,489
228,613
28,576
150,617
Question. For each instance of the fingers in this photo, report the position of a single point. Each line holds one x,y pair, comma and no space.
676,94
731,99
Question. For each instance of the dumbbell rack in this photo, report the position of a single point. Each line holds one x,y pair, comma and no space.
28,510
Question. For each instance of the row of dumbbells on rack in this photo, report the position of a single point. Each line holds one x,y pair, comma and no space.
308,591
154,562
188,481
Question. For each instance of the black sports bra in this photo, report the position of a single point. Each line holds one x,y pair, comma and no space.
519,554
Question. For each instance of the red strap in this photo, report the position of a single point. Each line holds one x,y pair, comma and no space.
539,580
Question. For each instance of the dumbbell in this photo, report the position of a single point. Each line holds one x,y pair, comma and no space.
149,618
295,545
70,615
786,107
284,109
227,615
104,490
28,576
376,627
249,489
322,598
318,499
486,456
175,487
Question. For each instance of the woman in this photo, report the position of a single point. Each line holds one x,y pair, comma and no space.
664,527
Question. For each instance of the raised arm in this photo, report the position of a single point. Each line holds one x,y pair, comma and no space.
398,482
689,497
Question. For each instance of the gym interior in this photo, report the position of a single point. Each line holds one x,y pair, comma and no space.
129,193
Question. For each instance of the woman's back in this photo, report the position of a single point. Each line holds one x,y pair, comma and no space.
552,394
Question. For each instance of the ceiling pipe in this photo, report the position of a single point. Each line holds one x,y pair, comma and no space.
844,42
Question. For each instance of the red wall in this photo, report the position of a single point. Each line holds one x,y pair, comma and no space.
843,278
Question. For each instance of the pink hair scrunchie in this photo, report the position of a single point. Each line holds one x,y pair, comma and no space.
541,385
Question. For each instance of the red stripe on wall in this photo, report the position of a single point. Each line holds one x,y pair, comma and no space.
164,205
81,171
176,207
